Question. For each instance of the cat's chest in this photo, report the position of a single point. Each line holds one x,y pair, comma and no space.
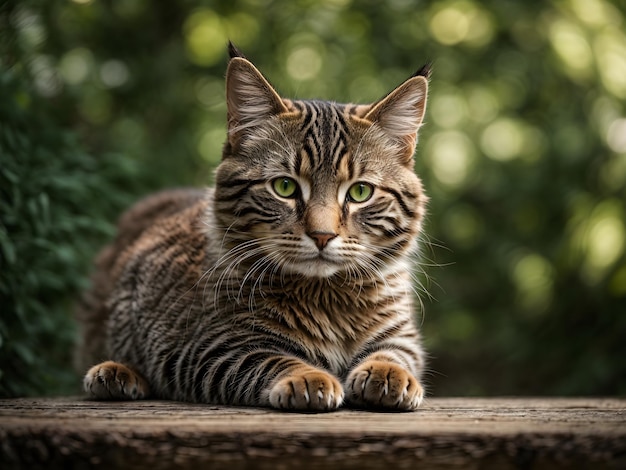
331,329
328,323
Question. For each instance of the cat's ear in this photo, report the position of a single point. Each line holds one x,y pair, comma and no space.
401,112
250,98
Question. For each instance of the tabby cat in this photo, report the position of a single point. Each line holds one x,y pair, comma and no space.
289,284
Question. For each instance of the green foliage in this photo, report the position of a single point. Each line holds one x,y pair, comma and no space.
523,155
56,207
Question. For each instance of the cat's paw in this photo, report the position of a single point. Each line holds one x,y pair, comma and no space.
311,390
114,381
379,384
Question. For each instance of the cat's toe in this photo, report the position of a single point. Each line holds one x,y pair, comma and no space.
114,381
309,391
385,385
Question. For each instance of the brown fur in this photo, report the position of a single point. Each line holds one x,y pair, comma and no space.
242,295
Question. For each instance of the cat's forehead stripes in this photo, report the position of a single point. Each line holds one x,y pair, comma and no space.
325,143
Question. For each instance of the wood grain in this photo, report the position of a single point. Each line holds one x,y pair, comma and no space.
446,433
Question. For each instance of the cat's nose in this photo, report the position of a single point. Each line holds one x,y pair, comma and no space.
321,239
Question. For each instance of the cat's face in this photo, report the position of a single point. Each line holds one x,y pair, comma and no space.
317,188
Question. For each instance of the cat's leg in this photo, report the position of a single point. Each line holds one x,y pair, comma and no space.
380,381
302,387
114,381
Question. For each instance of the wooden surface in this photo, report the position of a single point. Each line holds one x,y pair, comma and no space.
461,433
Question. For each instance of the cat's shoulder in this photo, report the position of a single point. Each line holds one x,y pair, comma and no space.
165,228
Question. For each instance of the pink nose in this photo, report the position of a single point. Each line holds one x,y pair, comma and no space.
321,239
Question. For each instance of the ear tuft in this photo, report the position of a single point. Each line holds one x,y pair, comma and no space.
234,52
425,71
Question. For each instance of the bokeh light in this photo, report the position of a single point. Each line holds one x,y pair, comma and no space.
114,73
610,48
451,156
204,37
533,276
304,63
503,139
572,47
76,65
603,239
461,22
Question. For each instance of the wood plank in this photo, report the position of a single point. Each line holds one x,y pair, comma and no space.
446,433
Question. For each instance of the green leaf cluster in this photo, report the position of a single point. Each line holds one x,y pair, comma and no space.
57,204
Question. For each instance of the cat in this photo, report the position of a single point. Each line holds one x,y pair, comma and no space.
288,285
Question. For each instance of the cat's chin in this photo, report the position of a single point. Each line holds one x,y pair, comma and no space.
318,269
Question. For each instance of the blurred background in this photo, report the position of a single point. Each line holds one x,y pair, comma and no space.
523,155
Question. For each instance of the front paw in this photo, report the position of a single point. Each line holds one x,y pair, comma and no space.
309,390
114,381
379,384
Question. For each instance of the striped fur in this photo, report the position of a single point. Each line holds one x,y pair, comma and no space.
239,295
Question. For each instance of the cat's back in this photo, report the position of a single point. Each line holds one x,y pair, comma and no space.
160,243
149,233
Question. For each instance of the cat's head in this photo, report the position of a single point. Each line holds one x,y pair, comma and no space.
315,187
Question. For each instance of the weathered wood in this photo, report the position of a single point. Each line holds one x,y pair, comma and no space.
450,433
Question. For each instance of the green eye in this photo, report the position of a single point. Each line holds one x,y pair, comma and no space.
360,192
285,187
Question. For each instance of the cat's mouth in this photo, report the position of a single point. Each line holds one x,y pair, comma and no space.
324,257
